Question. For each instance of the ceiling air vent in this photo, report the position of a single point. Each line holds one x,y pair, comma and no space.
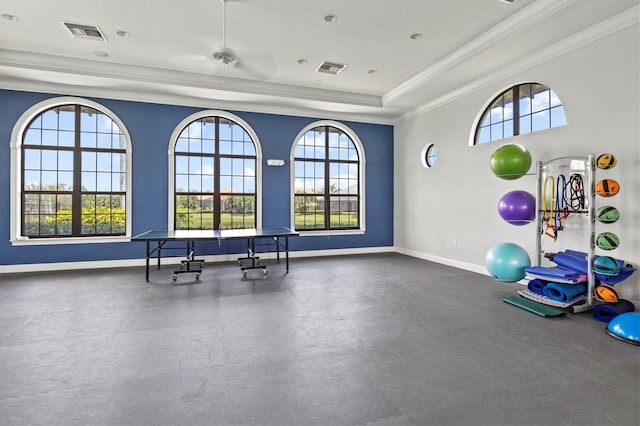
85,31
331,67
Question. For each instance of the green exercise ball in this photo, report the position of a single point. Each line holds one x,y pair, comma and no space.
510,161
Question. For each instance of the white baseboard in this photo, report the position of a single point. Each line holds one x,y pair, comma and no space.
445,261
125,263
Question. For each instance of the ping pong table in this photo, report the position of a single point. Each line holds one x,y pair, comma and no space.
156,240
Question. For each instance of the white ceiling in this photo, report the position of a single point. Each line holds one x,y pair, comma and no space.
168,56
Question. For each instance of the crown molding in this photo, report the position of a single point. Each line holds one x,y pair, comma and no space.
520,19
73,67
583,38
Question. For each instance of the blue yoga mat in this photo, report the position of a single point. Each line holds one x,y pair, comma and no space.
564,292
608,311
577,261
537,286
553,272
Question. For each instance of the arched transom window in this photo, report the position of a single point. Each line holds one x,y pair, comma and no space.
521,109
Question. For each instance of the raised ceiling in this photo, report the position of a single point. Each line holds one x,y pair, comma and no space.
167,52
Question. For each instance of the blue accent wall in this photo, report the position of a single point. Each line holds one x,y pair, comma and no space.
150,127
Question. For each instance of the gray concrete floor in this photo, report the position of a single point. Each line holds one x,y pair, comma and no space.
379,339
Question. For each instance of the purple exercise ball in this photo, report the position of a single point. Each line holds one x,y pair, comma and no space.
517,207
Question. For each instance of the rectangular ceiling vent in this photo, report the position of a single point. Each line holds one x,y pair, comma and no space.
88,32
331,67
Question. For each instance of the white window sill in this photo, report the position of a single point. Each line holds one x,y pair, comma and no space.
25,241
330,232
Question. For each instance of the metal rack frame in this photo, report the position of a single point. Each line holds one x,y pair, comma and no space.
589,171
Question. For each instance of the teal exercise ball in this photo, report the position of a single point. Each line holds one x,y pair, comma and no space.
510,161
507,262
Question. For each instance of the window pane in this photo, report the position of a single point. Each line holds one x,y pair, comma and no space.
66,138
32,180
557,117
67,118
32,158
88,121
525,124
182,145
65,181
50,119
182,164
182,183
540,121
195,183
103,182
225,147
508,105
118,182
508,128
88,181
104,140
525,99
496,132
207,184
541,99
89,161
88,140
195,165
33,137
49,180
484,135
50,137
104,162
496,113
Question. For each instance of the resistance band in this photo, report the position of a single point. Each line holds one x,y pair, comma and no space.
560,211
547,214
575,202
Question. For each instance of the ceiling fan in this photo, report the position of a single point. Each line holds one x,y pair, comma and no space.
226,56
252,62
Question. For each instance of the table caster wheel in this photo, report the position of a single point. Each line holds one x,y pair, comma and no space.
244,273
264,271
175,277
197,276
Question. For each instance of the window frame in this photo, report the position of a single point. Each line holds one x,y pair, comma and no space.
361,179
516,115
172,156
17,170
429,155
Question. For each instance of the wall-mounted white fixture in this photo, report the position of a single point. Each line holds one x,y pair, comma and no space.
275,162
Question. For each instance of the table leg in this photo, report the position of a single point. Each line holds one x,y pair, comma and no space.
286,251
147,262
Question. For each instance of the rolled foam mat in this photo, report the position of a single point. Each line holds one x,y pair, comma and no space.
608,311
564,292
537,286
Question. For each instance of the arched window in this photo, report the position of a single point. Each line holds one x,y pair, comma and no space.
328,179
73,157
521,109
214,164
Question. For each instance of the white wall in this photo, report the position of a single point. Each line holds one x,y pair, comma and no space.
599,86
